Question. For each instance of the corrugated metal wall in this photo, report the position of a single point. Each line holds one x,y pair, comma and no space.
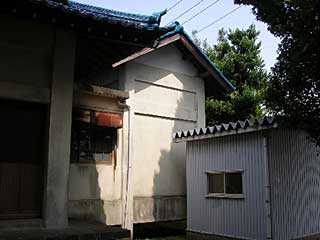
244,218
294,169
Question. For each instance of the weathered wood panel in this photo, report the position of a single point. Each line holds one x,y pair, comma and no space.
21,159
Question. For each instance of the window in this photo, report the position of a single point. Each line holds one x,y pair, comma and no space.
92,143
225,184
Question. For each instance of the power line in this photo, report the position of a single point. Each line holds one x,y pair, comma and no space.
174,5
198,13
219,19
185,12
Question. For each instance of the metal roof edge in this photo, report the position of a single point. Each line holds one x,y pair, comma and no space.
230,128
226,133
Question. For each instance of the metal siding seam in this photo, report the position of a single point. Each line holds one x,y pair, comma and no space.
188,179
267,189
298,172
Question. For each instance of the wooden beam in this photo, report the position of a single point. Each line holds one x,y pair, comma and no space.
146,50
23,92
129,43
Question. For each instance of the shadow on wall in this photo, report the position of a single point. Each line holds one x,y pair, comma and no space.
85,201
166,169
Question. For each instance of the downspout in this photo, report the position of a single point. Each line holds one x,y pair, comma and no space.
267,187
129,167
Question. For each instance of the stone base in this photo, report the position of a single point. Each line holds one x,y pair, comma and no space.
159,208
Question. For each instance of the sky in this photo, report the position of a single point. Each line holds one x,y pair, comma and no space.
241,18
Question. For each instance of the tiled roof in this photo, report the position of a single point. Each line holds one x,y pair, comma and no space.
225,127
106,15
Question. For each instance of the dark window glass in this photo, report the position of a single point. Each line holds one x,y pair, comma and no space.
215,183
233,183
92,143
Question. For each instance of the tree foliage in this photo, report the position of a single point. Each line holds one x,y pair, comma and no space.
237,55
294,89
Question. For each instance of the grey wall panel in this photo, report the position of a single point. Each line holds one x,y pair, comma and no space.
244,218
294,169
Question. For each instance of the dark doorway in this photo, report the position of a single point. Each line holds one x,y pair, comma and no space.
22,144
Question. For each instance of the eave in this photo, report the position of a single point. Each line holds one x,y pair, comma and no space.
139,30
196,53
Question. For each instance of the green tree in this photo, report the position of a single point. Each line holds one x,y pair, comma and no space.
294,88
237,55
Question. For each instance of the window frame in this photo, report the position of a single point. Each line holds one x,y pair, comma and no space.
91,161
224,194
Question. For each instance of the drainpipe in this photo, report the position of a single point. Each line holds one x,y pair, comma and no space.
126,223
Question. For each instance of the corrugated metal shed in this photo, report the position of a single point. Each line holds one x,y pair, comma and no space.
227,128
280,174
294,169
243,218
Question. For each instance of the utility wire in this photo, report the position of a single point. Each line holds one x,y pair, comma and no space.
174,5
185,12
198,13
219,19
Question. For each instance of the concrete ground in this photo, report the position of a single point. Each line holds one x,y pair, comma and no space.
76,231
168,238
172,230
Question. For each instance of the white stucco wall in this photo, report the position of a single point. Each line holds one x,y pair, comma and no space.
95,190
165,95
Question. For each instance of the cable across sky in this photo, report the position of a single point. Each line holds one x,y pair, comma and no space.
174,5
186,11
198,13
217,20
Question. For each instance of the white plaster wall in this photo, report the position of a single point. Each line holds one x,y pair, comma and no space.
174,62
95,190
159,165
94,181
166,96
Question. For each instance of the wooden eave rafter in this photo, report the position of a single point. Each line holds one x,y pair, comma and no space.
104,92
147,50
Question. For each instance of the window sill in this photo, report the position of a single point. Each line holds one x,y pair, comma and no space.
94,162
225,195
